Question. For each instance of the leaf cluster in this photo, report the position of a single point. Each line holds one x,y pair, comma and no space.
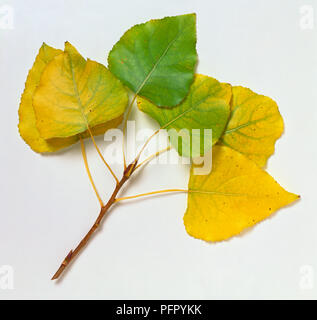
68,97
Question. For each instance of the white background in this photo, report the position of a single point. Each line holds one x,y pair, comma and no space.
143,251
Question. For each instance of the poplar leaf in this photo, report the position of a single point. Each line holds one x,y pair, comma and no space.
254,126
27,120
236,195
157,59
205,107
75,94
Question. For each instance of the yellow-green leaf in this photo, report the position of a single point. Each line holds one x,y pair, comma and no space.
75,94
236,195
254,126
27,120
205,107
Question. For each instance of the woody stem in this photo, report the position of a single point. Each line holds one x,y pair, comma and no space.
104,209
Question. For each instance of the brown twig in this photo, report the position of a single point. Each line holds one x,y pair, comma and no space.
73,253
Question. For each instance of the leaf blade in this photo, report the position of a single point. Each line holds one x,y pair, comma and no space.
75,94
205,107
236,195
254,125
27,120
163,76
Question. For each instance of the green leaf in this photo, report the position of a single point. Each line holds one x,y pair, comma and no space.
157,59
74,95
205,107
254,126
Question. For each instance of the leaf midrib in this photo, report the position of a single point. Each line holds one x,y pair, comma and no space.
192,108
156,64
247,124
193,191
81,108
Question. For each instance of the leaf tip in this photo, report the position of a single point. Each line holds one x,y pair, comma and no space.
67,45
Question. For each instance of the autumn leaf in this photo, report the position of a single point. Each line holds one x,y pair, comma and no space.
75,94
205,107
254,126
157,59
27,120
236,195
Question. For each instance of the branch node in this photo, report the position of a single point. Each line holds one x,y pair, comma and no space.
130,168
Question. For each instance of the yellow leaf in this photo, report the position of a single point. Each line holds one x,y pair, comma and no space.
254,126
75,94
236,195
27,120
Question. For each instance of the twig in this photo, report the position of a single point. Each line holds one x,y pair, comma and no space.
73,253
